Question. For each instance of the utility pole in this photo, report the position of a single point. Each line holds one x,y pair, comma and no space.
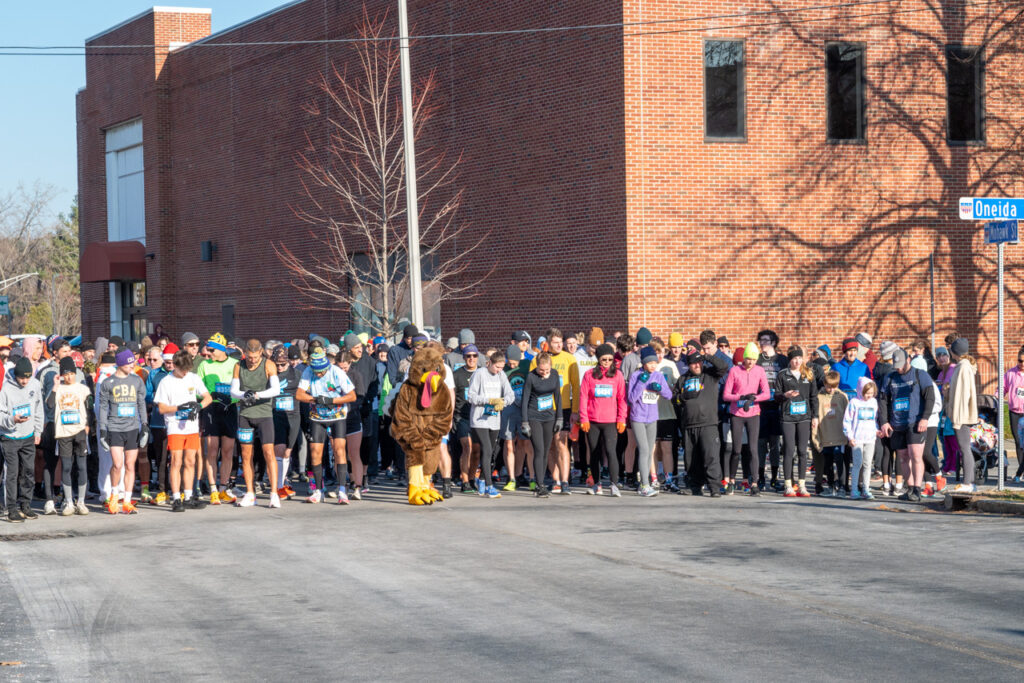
411,205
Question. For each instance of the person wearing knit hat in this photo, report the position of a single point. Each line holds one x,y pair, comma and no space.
961,407
850,369
123,428
643,392
328,390
70,399
399,351
864,352
886,348
906,399
21,428
453,357
219,420
466,336
797,389
697,394
746,386
602,415
770,446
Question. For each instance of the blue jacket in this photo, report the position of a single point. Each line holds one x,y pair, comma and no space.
156,418
850,374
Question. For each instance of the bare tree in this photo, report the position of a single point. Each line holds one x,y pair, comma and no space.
354,194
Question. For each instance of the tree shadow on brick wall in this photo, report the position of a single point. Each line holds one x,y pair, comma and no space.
899,224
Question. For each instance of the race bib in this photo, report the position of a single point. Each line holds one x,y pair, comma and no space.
22,411
650,397
222,388
285,403
328,412
245,435
70,417
126,410
1020,392
692,384
518,391
489,410
603,390
865,414
465,394
798,407
546,402
901,405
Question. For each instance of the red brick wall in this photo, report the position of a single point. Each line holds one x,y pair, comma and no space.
786,230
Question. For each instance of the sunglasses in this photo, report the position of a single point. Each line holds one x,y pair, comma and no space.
471,355
155,360
605,360
192,344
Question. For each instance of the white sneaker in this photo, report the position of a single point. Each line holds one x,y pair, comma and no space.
49,508
315,498
68,509
615,492
332,494
275,501
80,508
342,496
357,494
246,501
965,488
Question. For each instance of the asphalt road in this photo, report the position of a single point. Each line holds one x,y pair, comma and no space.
569,588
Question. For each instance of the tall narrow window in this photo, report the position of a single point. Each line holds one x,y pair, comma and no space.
965,117
844,64
724,105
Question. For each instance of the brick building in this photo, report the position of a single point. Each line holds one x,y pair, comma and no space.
671,163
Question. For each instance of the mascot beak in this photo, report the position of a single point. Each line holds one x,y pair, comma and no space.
431,381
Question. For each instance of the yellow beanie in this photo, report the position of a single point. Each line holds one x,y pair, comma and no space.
675,339
751,351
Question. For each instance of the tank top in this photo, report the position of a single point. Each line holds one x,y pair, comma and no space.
255,380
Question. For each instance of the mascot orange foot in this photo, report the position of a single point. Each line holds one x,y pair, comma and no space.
420,492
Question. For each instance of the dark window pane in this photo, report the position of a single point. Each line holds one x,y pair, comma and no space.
963,94
845,67
723,89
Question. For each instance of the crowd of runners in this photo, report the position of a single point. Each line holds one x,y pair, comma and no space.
222,421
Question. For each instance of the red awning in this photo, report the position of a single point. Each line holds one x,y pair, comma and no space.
113,261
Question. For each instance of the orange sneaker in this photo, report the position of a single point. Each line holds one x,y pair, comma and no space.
113,506
283,494
214,498
128,508
288,490
227,497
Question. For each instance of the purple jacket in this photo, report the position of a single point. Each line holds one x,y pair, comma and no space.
643,401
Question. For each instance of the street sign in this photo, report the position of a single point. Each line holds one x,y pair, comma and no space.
998,232
5,306
985,208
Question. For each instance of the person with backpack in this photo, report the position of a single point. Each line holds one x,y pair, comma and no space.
906,399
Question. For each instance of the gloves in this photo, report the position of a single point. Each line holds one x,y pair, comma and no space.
644,376
748,397
249,399
558,425
189,409
585,426
325,400
105,439
524,429
620,427
144,437
498,403
654,386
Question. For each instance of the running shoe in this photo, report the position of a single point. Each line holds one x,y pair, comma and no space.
246,501
178,505
670,485
113,506
283,493
928,491
566,489
226,496
315,497
144,495
49,508
275,501
128,508
446,489
802,492
491,492
160,499
533,486
594,490
510,486
289,492
965,488
15,516
542,492
333,493
730,489
615,492
790,493
80,508
754,491
343,496
466,487
647,491
886,490
905,496
868,495
357,493
940,483
195,503
67,509
856,495
557,488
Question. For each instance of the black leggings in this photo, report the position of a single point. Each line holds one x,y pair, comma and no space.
603,432
540,437
753,465
488,439
796,435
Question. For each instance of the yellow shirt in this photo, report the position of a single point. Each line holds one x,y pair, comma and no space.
564,364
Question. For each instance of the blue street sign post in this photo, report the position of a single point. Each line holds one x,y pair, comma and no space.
1001,231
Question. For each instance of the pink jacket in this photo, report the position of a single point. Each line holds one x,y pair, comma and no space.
740,382
602,400
1014,384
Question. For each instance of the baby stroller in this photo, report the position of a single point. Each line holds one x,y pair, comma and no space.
985,439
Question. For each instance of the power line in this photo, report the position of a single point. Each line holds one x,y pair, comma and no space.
477,34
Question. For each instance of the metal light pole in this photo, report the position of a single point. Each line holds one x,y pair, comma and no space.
412,211
999,398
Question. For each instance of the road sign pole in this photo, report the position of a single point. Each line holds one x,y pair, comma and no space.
1002,427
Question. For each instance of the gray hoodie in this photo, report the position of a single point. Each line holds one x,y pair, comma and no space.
16,399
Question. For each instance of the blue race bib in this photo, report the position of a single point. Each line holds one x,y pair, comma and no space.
545,402
222,388
245,435
798,407
691,384
901,405
865,414
22,411
603,391
70,417
126,410
284,403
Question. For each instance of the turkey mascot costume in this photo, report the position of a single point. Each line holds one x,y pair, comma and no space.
422,415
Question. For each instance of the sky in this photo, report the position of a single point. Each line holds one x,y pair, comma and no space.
37,108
